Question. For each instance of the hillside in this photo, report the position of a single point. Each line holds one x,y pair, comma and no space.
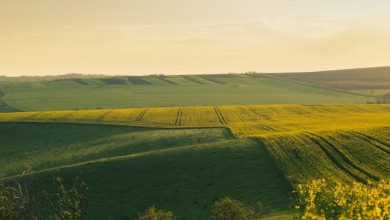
349,79
165,91
374,82
183,159
128,169
316,128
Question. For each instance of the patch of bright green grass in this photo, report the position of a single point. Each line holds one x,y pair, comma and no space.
131,169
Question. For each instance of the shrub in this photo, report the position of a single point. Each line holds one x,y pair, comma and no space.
154,214
18,203
318,199
70,203
230,209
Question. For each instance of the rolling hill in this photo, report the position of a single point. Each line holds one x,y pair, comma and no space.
187,141
165,91
129,169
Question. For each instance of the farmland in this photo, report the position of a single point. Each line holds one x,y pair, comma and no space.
128,169
244,121
305,131
373,82
187,141
167,91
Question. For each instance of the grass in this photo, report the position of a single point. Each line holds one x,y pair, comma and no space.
371,82
4,107
129,169
349,79
165,91
306,141
216,144
336,156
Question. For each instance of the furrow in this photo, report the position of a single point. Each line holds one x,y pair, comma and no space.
336,162
372,140
345,158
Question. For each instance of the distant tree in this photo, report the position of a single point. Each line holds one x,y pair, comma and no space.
154,214
230,209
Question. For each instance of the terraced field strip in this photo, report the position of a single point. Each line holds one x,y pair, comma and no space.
164,79
244,121
194,80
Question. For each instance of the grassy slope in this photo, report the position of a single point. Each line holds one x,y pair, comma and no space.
336,156
4,107
295,134
129,169
374,82
166,91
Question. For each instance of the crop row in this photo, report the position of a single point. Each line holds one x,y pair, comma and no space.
336,156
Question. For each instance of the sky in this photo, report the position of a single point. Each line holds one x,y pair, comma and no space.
138,37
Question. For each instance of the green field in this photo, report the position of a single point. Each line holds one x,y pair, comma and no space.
185,158
153,91
188,141
373,82
129,169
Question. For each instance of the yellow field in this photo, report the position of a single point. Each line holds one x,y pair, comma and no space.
244,121
335,142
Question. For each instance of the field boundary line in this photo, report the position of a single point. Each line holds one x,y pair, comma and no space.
276,164
117,123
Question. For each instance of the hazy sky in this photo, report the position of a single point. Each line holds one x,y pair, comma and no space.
191,36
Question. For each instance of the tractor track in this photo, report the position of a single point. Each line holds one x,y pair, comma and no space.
372,140
102,116
141,114
220,116
318,139
178,117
